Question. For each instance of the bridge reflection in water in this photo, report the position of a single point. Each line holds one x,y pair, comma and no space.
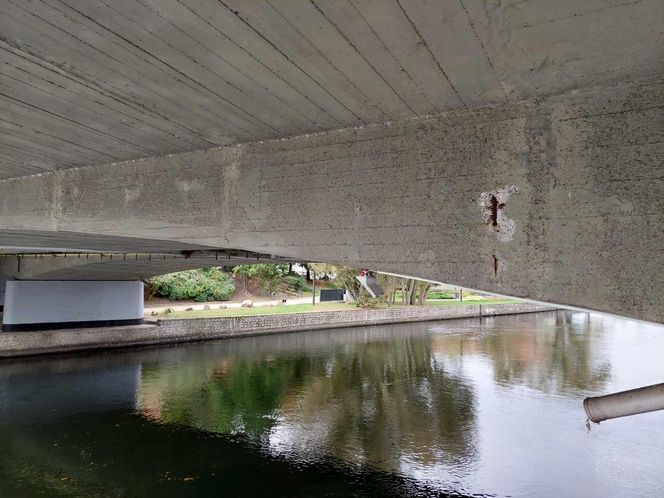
485,406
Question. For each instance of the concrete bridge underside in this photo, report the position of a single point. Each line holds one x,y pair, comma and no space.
512,147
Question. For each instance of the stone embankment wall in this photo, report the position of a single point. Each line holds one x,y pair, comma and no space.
184,330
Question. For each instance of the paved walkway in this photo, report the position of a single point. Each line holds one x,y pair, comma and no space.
227,304
257,304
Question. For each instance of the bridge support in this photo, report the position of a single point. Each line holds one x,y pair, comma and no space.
3,279
559,200
45,305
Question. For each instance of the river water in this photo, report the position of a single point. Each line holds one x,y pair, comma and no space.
488,407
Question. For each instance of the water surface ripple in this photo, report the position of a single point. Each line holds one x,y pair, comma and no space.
488,407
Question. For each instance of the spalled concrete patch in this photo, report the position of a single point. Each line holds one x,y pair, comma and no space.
493,210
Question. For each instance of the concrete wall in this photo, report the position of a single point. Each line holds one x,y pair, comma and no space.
559,200
53,302
3,279
250,325
184,330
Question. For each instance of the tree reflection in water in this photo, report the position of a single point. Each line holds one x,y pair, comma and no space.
374,403
371,411
552,352
396,400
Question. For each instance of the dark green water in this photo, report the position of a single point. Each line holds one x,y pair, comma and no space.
456,408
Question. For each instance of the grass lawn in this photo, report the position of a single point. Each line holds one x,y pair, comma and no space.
496,300
305,308
260,310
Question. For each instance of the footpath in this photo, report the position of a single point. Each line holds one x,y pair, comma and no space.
160,308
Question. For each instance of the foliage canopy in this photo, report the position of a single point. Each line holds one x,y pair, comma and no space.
207,284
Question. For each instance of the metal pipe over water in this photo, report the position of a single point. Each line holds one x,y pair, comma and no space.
625,403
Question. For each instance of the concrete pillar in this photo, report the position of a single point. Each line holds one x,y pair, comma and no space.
3,279
45,305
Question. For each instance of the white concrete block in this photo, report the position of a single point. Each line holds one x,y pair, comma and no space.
59,304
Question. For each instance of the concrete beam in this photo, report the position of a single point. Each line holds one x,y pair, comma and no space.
89,82
559,200
120,266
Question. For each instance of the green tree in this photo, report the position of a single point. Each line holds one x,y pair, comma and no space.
269,275
207,284
413,291
342,276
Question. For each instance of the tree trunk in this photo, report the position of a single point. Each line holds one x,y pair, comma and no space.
424,290
411,292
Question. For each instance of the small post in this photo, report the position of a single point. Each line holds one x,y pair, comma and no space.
313,279
460,295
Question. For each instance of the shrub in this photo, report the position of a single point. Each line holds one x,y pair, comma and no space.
441,295
295,282
267,274
366,301
149,290
208,284
271,277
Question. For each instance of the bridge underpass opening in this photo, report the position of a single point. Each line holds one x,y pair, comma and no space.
508,146
49,290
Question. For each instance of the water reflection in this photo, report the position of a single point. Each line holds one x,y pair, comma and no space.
470,406
560,358
397,404
372,402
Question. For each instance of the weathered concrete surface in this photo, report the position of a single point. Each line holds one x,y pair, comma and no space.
3,280
120,265
14,344
583,171
86,82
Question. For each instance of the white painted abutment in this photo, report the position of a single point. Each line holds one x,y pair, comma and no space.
46,305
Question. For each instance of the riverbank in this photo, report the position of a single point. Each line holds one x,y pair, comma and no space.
169,331
271,308
192,309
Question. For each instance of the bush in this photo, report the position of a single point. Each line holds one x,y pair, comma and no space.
267,274
295,282
271,277
441,295
366,301
208,284
149,290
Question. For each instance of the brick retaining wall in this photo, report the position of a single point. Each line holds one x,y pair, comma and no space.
196,329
